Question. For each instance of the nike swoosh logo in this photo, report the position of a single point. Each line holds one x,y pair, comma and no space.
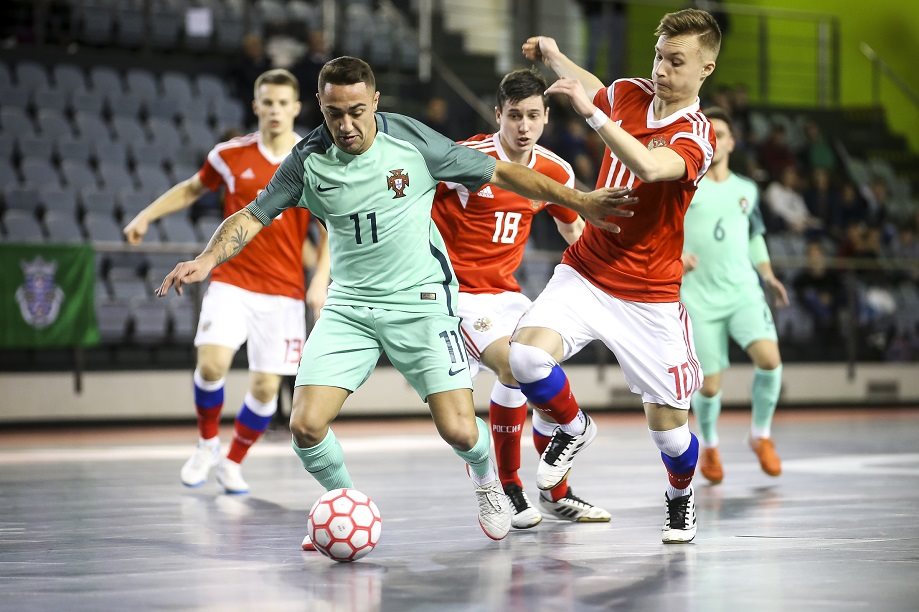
452,373
322,189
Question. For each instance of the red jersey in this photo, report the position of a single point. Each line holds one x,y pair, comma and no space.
642,263
272,263
486,231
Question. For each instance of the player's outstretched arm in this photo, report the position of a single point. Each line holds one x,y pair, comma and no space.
545,49
595,206
234,233
319,285
180,196
651,166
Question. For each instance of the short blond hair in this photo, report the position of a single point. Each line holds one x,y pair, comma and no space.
692,21
278,76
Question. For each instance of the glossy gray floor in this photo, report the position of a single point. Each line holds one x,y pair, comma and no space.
98,521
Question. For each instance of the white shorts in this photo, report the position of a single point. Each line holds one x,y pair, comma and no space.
272,326
652,342
486,318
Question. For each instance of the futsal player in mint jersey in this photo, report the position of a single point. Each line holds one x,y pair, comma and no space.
724,258
370,178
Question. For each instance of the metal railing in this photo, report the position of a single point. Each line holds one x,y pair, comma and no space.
879,69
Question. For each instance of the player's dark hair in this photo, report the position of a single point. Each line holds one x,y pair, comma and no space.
520,85
278,76
347,70
716,112
692,21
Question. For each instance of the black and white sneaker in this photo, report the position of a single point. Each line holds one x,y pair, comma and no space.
572,508
556,460
680,522
525,515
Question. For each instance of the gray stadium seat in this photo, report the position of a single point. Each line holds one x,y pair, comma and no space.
7,146
145,153
206,227
228,114
141,82
54,98
62,228
96,22
8,174
91,126
87,100
106,80
126,104
165,108
15,121
210,88
165,26
110,152
101,227
53,123
101,290
58,200
35,146
78,175
199,137
177,228
128,129
17,98
165,135
184,318
181,171
73,148
151,321
21,198
152,178
177,86
101,201
69,77
37,173
31,76
229,31
115,176
132,201
22,226
126,284
130,26
6,80
114,318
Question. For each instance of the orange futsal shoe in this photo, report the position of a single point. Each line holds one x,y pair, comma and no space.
710,465
768,458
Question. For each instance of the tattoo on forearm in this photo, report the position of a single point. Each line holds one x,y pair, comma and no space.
231,237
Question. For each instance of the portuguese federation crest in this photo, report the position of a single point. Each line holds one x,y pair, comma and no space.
397,181
39,298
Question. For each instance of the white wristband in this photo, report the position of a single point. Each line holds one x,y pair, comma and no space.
597,120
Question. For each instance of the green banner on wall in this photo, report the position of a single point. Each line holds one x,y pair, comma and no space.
47,296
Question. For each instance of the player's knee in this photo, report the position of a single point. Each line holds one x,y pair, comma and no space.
460,437
769,362
210,370
529,363
264,389
306,431
710,387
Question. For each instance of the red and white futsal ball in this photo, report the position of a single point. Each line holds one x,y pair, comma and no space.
344,524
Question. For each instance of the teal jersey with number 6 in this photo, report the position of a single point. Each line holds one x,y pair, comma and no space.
721,220
385,249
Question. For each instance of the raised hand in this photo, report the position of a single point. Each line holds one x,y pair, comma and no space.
690,261
539,48
136,229
607,202
574,90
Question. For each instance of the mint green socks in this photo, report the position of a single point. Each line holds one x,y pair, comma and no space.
325,462
767,385
707,410
478,456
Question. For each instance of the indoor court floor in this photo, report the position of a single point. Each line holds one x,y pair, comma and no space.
96,519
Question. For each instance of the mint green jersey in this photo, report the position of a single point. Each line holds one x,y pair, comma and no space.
721,220
385,249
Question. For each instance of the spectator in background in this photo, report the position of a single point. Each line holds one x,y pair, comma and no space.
306,69
851,209
741,108
822,293
787,206
905,249
250,65
817,152
774,153
879,215
821,197
437,116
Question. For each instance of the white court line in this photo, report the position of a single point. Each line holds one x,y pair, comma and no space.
180,451
902,464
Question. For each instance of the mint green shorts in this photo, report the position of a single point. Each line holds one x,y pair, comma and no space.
347,341
750,321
